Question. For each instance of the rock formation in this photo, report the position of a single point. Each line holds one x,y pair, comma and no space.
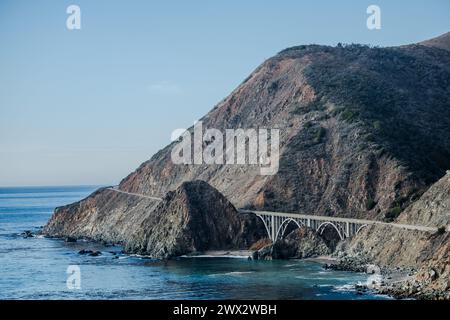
195,217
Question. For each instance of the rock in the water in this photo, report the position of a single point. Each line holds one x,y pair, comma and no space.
265,253
71,239
84,251
27,234
95,253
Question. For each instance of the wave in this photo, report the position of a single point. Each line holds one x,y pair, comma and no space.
231,273
344,288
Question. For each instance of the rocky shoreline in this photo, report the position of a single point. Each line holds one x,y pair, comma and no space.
398,282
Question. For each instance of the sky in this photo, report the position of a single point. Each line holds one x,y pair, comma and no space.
87,106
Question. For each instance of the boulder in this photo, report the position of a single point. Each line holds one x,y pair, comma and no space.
265,253
27,234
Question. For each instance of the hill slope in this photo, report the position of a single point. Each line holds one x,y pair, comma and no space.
363,130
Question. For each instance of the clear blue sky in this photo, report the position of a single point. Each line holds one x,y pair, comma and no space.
88,106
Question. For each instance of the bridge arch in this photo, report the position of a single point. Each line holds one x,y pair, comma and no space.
266,225
360,227
284,225
338,229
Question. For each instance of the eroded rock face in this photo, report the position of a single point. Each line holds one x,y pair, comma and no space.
194,218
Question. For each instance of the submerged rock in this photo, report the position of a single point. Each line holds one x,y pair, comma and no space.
27,234
84,251
95,253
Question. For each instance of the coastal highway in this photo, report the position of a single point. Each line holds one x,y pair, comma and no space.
305,216
116,189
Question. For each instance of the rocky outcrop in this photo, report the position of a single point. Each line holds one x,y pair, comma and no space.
195,217
300,243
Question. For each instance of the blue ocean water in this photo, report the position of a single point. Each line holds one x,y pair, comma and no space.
36,268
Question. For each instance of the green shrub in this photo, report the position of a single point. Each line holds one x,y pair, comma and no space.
307,125
316,105
441,230
273,87
393,213
377,125
320,134
370,204
348,115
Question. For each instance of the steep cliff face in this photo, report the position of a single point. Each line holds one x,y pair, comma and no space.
194,218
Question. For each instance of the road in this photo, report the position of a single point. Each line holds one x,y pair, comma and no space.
116,189
305,216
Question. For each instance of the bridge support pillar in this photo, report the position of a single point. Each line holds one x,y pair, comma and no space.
272,231
347,228
308,223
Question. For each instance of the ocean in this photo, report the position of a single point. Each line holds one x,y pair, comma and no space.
37,267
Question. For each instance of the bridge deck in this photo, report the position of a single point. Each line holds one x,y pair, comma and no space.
337,219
